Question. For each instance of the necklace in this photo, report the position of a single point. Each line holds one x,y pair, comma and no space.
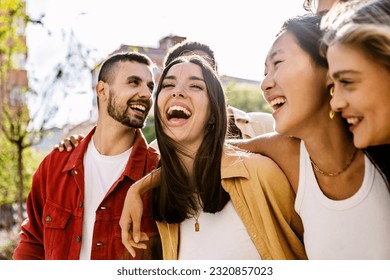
196,223
333,174
196,218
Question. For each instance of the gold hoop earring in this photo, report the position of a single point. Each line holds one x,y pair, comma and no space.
331,112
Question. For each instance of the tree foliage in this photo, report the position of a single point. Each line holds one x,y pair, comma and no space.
7,162
11,13
246,97
19,125
8,182
14,110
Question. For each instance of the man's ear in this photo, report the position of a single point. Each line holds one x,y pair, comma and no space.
102,90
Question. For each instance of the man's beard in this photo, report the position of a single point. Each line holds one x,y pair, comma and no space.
120,113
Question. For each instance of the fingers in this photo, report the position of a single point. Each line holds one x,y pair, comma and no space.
131,245
130,222
68,144
127,240
75,140
137,229
132,213
59,146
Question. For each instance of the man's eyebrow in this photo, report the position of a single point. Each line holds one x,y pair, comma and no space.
196,78
134,78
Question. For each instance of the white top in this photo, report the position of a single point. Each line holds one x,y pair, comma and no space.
354,228
100,173
232,239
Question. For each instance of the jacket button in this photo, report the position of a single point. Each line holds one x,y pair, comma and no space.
47,219
80,204
75,172
78,238
103,208
99,244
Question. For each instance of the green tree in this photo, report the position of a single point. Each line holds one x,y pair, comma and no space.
7,163
9,191
14,111
246,97
148,130
8,184
21,127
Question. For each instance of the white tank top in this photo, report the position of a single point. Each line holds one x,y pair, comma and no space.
354,228
221,236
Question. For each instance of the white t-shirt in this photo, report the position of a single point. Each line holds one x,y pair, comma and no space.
354,228
221,236
100,173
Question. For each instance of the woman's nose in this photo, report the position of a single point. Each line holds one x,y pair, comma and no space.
338,102
267,84
178,91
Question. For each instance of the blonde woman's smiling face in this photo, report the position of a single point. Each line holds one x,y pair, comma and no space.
362,94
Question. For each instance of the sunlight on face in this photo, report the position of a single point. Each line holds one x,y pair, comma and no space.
294,87
362,94
184,104
130,92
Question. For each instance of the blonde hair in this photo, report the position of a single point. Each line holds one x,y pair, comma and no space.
361,23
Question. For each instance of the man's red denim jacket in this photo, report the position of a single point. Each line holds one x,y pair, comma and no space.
55,207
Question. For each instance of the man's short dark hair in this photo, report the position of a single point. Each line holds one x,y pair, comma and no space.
106,69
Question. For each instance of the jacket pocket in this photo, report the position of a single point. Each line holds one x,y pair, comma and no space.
56,237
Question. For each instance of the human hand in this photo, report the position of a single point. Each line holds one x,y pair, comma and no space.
69,143
130,222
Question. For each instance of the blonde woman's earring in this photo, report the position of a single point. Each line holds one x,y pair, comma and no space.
331,112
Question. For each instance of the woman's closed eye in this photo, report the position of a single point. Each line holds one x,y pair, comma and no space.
196,86
168,85
276,62
345,82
